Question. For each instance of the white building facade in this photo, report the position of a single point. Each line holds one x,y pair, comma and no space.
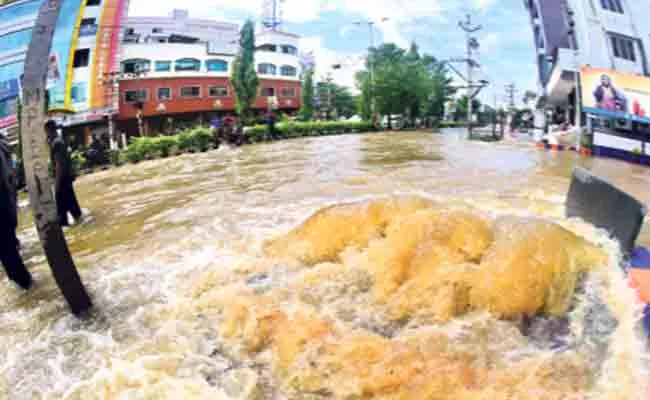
176,70
610,34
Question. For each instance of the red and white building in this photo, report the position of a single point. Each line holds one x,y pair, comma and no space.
175,72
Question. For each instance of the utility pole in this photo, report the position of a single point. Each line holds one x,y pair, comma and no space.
574,48
511,93
329,95
371,29
472,44
36,155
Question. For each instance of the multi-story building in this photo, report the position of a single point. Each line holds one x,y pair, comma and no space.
609,34
175,72
83,57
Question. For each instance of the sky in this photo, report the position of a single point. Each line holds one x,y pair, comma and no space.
327,28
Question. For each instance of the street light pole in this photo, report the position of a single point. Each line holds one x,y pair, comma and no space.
36,155
371,28
471,44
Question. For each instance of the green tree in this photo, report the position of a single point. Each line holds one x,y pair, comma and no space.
529,96
364,100
441,89
244,78
405,83
461,108
306,112
342,100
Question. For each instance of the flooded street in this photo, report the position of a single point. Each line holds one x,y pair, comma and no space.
173,254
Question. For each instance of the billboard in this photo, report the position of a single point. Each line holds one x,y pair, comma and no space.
614,94
63,46
108,41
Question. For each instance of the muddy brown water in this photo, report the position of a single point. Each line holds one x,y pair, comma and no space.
155,226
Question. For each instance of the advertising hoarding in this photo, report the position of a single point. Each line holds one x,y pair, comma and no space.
63,45
108,40
614,94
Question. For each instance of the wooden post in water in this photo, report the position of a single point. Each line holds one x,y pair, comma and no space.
36,155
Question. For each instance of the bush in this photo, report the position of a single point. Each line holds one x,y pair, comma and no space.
116,158
164,144
257,133
201,138
185,140
78,161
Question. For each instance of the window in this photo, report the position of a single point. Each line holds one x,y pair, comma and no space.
133,96
268,47
624,47
136,65
267,69
157,30
163,66
81,58
216,65
287,70
612,5
93,2
79,92
267,92
191,91
88,27
288,92
288,49
188,64
164,94
87,21
218,91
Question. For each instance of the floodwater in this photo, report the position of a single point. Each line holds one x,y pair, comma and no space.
174,247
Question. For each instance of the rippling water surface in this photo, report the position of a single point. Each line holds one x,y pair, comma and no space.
170,241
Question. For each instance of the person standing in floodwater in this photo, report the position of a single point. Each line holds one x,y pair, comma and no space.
66,199
9,245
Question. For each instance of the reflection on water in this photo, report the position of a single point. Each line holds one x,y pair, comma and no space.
174,242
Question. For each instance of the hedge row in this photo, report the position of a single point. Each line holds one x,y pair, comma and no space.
201,138
147,148
285,130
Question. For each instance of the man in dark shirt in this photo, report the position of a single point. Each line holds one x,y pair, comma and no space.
9,253
66,200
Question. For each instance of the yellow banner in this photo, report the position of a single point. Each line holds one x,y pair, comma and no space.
615,94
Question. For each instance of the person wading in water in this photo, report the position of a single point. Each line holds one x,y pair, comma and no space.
9,245
66,200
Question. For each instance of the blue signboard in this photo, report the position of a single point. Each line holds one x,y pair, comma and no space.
9,89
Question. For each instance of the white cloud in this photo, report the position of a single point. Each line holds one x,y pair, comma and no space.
490,43
326,58
397,11
197,8
483,4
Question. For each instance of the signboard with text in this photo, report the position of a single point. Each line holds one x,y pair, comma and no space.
108,40
63,42
614,94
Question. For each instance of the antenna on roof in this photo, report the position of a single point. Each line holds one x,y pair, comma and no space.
272,14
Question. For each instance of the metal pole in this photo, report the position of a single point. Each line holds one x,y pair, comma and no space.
469,82
36,155
574,48
372,68
469,29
